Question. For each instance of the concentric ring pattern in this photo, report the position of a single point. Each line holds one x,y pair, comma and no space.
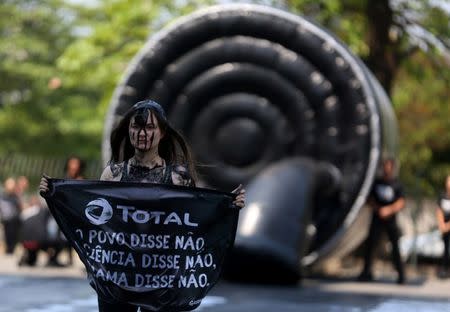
250,85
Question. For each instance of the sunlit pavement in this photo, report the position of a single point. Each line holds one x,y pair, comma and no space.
42,289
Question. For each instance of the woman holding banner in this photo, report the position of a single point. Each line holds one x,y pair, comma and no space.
145,148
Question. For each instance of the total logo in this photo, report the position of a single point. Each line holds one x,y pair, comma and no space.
98,211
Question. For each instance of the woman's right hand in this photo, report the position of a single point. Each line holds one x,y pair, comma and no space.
240,198
43,185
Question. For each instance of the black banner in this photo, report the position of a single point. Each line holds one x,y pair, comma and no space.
157,246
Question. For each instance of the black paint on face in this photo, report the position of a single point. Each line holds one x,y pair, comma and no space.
142,130
152,122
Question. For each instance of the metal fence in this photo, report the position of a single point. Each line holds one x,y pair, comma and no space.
34,166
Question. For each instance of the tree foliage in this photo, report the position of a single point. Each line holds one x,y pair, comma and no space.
407,45
61,63
33,36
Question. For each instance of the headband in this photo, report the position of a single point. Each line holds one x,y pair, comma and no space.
149,104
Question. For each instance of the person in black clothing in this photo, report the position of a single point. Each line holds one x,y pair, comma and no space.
386,199
145,148
443,218
10,207
33,231
39,232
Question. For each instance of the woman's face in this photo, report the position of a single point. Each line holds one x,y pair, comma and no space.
73,167
9,185
144,131
447,184
388,168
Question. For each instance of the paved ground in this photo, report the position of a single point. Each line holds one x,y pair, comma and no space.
43,289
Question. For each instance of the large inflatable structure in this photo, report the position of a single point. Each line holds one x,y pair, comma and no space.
271,100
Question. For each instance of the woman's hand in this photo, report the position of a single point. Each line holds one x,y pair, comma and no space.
240,198
43,185
385,212
447,227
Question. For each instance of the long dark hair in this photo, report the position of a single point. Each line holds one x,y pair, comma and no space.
173,148
80,168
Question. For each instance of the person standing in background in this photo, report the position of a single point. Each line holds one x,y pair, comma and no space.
10,208
443,220
386,199
21,187
73,170
33,230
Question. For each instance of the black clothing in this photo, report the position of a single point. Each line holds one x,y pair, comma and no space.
376,226
444,205
131,173
104,306
9,207
11,229
34,224
10,216
160,175
383,193
39,231
446,256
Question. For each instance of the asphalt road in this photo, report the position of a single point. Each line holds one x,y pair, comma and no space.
68,294
42,289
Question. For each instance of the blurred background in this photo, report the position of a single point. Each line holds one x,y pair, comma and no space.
61,61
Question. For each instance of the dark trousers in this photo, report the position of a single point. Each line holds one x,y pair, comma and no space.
11,228
104,306
445,256
29,257
390,226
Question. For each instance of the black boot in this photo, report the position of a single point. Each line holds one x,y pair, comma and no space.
365,277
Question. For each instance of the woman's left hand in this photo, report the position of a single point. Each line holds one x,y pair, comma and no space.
240,198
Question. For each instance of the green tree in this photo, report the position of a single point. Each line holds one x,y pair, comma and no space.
407,46
33,36
110,36
60,65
